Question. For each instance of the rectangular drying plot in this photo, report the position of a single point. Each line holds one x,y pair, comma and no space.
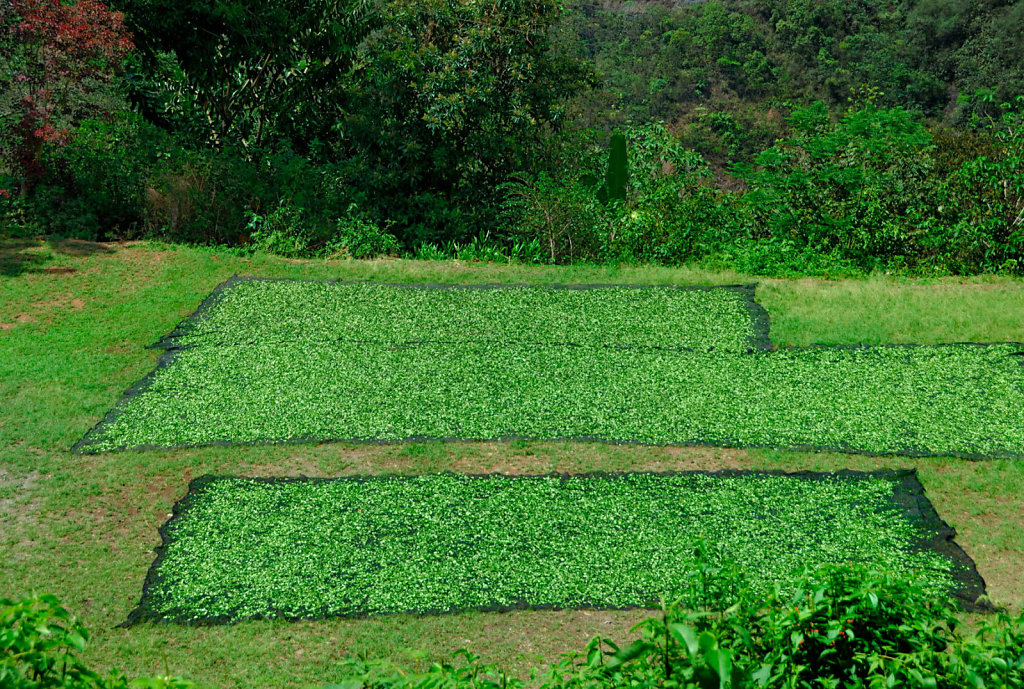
951,400
249,311
243,548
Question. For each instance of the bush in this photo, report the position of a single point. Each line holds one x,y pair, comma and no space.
672,215
95,185
39,641
285,232
562,216
873,191
850,188
356,237
280,232
208,197
842,626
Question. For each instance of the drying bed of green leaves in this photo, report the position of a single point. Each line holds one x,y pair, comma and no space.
945,400
247,311
239,548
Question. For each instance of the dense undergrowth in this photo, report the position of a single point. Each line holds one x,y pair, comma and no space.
841,627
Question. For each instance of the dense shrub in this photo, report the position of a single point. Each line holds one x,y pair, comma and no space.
356,237
286,232
39,643
869,190
669,214
95,186
848,187
563,216
841,627
873,190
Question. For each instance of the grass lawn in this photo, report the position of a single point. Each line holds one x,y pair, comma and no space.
75,319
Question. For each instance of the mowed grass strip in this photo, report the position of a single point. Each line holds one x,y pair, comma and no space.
954,400
247,311
240,548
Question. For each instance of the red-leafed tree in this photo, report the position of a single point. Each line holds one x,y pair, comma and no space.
61,55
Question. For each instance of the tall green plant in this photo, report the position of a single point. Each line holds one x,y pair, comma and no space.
844,627
617,176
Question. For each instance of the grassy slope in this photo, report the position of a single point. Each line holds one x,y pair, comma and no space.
74,319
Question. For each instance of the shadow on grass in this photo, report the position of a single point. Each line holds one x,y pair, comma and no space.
20,256
78,247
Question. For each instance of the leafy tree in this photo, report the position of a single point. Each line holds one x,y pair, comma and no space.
61,55
238,72
448,97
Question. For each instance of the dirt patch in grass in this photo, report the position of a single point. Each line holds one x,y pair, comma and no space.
543,635
19,514
81,247
998,564
14,491
19,319
513,458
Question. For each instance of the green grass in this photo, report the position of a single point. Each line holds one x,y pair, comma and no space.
258,311
241,548
75,319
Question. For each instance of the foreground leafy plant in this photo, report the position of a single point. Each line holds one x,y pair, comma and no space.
240,548
848,626
39,640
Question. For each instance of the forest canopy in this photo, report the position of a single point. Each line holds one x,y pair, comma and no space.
766,135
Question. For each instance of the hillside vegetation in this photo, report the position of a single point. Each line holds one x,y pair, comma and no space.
724,65
768,136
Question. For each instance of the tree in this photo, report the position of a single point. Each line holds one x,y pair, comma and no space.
61,55
234,72
448,98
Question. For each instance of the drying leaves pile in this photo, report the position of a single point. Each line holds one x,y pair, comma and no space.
285,361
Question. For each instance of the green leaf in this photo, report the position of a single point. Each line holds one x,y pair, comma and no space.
631,652
720,660
762,675
686,636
